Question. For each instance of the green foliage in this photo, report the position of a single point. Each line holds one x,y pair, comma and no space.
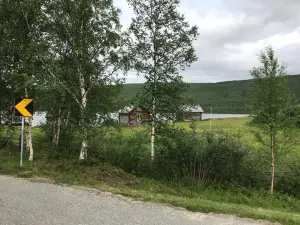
271,100
271,97
131,154
85,57
219,159
92,173
294,113
211,159
162,45
235,173
210,95
258,121
68,145
68,53
21,45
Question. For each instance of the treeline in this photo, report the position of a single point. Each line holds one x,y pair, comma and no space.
222,97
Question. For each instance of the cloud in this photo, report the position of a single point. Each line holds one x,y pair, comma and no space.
232,33
126,12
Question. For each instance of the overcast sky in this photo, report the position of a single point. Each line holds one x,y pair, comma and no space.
232,33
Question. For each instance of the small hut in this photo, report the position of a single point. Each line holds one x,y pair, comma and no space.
133,116
192,113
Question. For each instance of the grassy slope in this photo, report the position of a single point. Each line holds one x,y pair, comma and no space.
244,203
238,127
223,97
232,124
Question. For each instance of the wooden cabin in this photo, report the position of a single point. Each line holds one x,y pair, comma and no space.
192,113
133,116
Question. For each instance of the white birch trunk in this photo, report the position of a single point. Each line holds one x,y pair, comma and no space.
67,118
84,143
54,132
273,162
57,129
27,136
153,141
153,130
30,139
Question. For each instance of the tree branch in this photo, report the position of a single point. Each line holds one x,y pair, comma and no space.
64,86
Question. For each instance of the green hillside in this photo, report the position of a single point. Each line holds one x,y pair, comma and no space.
222,97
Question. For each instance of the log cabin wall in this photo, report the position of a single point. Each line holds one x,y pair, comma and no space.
138,116
193,116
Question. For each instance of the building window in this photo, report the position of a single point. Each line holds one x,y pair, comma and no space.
139,118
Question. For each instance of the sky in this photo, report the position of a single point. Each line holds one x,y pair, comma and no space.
232,33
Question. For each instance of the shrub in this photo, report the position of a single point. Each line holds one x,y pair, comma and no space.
68,147
194,157
257,121
186,158
129,153
287,181
111,122
206,157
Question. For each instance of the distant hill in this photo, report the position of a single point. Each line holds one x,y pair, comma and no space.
222,97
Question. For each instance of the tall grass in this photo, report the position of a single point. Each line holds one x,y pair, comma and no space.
221,171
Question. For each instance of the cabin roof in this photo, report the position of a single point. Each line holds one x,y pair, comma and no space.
186,108
128,109
196,108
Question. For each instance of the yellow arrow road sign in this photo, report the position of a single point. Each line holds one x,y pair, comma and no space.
21,107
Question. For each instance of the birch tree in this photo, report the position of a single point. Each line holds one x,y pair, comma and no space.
59,106
87,48
21,47
162,46
271,99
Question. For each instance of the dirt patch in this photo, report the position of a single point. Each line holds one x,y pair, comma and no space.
112,177
41,180
25,174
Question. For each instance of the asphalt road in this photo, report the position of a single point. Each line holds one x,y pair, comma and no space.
32,203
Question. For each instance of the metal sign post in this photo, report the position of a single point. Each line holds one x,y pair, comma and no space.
24,108
22,141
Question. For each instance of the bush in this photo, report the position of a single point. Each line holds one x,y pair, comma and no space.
257,121
206,158
287,180
187,158
69,143
111,122
129,153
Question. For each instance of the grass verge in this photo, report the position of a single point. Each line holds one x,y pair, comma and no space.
240,202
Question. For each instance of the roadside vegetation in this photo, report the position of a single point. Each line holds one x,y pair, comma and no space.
72,57
225,170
